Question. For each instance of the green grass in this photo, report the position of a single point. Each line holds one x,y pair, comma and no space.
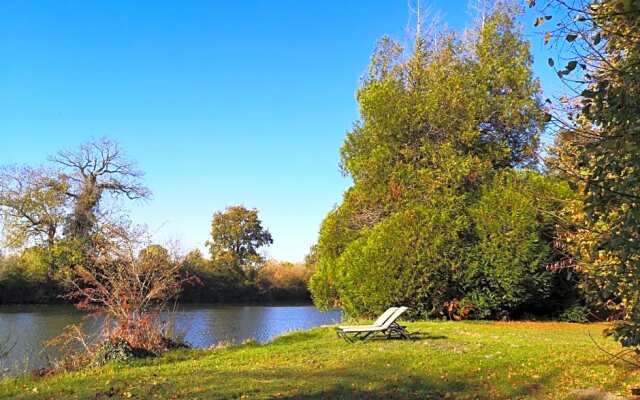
453,360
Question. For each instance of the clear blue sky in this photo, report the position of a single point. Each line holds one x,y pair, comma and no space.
220,102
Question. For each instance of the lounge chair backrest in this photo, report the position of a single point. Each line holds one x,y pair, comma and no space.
397,313
385,315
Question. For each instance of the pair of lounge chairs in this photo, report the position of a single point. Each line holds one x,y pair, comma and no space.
385,325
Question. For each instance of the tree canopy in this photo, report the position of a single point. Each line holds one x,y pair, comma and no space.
97,168
446,214
32,205
236,236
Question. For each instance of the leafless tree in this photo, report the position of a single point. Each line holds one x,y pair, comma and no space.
97,168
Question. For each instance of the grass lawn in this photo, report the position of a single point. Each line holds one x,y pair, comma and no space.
453,360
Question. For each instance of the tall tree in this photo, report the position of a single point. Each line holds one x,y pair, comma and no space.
443,125
97,168
598,145
236,236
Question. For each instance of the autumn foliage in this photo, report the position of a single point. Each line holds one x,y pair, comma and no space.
130,283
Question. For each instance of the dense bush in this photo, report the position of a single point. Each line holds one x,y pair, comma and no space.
410,257
487,260
513,229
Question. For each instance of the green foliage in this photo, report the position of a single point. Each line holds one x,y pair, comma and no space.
452,94
274,281
338,229
486,260
514,227
575,313
378,270
32,203
444,215
216,283
154,256
236,236
24,278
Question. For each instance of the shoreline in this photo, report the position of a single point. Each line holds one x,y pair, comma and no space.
454,360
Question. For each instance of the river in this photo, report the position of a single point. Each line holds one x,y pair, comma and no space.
27,327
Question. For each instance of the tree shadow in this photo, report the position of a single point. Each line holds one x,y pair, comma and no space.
411,387
345,383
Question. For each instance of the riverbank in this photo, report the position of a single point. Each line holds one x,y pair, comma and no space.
454,360
202,325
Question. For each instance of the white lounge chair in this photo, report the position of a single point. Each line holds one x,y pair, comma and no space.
385,324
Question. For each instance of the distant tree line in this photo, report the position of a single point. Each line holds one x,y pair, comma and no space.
235,271
54,219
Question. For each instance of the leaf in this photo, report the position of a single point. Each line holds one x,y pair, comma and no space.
547,117
538,21
532,3
571,37
571,66
550,61
547,37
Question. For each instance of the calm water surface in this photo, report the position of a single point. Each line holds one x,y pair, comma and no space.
201,325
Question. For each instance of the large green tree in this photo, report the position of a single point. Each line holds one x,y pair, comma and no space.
236,237
444,125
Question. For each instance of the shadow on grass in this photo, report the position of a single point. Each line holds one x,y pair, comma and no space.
411,387
339,383
371,375
413,337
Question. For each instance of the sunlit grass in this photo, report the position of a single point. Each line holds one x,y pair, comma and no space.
456,360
